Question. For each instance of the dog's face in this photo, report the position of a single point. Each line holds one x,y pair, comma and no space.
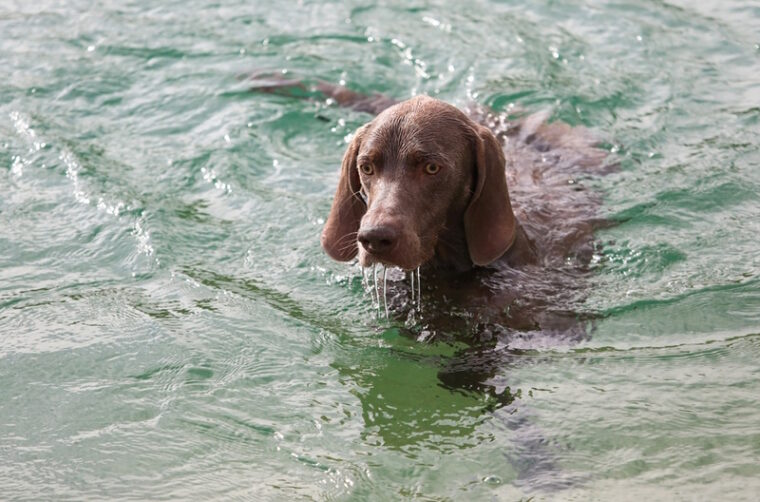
414,171
419,171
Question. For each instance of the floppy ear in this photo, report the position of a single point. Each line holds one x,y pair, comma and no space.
339,233
489,222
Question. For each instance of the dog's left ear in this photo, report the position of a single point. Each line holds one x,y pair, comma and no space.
339,233
489,222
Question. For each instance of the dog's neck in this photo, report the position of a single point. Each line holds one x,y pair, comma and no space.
451,252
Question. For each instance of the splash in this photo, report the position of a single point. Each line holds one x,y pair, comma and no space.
25,131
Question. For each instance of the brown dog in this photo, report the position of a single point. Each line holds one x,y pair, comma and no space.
426,185
494,211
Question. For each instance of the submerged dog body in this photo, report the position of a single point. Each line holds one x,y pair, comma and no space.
426,184
491,209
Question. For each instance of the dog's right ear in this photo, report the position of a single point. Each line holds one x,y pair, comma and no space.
339,233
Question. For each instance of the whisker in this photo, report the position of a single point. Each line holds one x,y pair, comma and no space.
442,230
349,200
347,246
350,237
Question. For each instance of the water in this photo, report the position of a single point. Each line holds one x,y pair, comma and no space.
170,328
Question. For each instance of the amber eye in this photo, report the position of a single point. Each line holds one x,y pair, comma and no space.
367,169
432,168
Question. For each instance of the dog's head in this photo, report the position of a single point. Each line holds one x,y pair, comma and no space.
417,172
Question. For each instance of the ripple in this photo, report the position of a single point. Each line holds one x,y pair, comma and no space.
170,328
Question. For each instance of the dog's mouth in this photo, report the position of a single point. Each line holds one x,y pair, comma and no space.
408,253
401,260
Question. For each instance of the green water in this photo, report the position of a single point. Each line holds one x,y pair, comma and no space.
170,328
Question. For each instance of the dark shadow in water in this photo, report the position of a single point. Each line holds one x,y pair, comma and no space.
445,397
445,386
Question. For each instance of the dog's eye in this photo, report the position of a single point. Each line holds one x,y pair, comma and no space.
367,169
432,168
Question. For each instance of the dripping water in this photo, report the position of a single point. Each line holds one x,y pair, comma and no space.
372,285
385,290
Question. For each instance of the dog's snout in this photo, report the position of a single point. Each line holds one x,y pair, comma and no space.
378,239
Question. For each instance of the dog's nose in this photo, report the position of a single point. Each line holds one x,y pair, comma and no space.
378,239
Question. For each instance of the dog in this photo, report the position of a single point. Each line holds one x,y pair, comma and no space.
491,211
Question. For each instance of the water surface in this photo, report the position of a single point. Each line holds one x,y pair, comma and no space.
170,328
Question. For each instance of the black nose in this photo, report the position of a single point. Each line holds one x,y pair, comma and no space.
379,239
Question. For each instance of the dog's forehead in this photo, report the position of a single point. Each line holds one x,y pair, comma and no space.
419,124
